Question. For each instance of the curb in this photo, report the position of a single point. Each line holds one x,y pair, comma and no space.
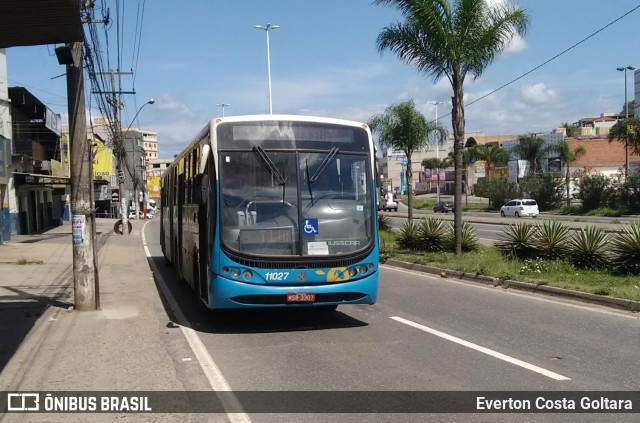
620,303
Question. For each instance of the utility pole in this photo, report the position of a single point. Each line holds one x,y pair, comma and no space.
120,153
82,210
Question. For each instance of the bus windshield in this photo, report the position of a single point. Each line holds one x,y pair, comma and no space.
295,202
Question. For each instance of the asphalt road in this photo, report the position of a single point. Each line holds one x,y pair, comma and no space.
425,333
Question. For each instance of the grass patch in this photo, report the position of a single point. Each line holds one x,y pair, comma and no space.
24,261
429,204
603,211
561,274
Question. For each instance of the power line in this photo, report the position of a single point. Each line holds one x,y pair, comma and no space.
551,59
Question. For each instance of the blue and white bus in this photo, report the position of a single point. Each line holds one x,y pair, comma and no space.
274,211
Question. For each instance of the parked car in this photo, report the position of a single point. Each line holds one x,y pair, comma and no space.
387,202
520,207
132,214
443,207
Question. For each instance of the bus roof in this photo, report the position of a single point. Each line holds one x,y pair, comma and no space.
295,118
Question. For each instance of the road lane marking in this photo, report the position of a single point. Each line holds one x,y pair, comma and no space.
536,297
209,367
483,350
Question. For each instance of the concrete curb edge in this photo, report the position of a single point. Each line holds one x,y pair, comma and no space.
628,305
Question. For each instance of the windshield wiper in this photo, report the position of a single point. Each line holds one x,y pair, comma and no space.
324,164
306,162
269,164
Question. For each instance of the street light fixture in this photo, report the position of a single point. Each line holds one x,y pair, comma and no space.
435,103
121,179
626,117
223,105
266,29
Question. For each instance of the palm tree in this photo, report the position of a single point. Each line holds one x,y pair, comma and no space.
469,156
437,165
444,40
492,155
628,132
404,128
568,156
531,149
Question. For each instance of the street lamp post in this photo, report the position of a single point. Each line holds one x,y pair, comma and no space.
435,103
626,117
266,28
121,177
223,105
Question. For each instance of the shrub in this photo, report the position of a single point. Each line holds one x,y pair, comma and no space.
604,211
551,240
384,222
469,238
518,241
545,189
408,238
593,190
625,248
589,248
497,191
570,210
431,234
629,194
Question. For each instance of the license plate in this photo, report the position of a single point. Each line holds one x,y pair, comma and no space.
301,297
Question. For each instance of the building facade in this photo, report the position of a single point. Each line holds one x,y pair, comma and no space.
6,179
155,170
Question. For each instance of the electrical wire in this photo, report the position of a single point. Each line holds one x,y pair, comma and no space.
551,59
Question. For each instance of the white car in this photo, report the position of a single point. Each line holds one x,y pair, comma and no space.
387,203
132,215
520,207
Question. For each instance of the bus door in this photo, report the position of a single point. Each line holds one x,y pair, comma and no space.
206,228
179,205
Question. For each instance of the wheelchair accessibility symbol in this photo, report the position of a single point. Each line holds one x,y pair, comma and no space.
310,226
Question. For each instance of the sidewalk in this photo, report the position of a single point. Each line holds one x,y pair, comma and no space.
130,344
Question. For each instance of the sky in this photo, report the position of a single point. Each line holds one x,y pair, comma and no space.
196,54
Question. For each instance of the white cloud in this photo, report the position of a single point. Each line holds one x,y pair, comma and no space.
538,93
517,43
175,122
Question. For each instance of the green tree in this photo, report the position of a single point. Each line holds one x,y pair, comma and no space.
593,191
568,156
544,188
627,129
404,128
469,157
628,111
568,129
618,132
629,198
437,165
531,149
492,155
498,191
452,39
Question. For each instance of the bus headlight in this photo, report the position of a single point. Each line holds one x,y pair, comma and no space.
362,269
235,272
353,271
247,275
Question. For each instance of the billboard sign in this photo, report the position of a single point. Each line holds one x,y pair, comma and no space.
102,160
